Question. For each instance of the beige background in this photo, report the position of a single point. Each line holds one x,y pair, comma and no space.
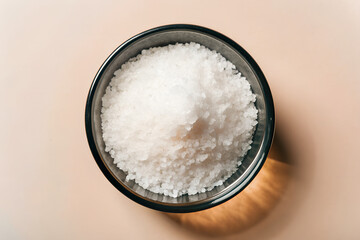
51,187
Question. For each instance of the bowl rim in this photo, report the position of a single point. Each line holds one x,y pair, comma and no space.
203,204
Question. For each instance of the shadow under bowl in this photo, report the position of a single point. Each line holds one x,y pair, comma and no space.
262,138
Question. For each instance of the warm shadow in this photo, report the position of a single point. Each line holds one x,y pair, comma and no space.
250,206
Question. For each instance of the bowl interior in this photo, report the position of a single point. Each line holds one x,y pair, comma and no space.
250,162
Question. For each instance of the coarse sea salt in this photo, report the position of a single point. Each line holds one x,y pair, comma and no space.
178,119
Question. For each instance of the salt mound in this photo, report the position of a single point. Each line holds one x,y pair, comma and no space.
178,118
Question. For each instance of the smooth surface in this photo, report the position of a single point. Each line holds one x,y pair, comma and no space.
50,185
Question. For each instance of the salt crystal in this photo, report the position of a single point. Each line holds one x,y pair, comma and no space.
177,118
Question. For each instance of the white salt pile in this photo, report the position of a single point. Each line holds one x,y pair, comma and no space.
177,118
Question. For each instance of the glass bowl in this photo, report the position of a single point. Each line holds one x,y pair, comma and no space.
262,138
